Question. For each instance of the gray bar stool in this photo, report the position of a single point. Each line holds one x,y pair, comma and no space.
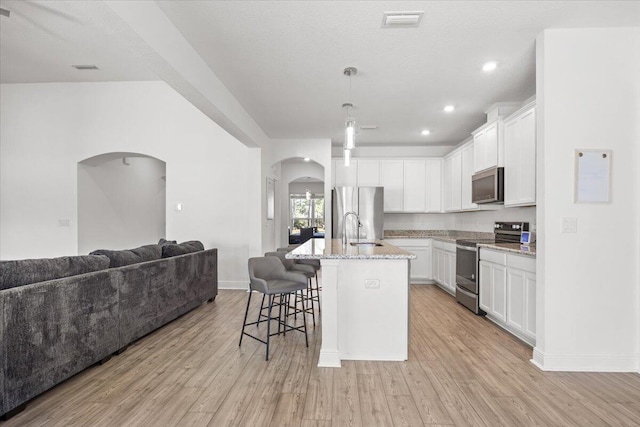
308,271
315,264
269,276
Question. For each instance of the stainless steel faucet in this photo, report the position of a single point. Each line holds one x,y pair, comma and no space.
344,226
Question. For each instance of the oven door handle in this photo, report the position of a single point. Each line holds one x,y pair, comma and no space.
466,248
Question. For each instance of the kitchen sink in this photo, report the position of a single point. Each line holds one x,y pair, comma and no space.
365,244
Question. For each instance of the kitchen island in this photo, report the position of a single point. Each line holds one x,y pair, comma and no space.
365,299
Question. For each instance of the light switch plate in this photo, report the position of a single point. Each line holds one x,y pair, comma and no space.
569,224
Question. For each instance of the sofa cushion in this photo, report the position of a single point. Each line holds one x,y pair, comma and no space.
183,248
131,256
27,271
163,242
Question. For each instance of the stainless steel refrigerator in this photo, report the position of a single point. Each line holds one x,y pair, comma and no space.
368,203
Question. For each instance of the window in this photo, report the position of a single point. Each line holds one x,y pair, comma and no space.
306,213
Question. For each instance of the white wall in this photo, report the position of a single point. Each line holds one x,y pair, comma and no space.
121,204
588,95
46,129
301,187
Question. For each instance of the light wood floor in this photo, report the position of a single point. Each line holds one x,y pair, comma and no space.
462,371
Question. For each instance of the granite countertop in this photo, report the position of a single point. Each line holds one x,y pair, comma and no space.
318,249
529,250
450,236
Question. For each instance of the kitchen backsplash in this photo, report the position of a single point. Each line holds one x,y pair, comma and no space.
465,221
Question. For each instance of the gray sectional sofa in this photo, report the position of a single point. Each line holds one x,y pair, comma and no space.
59,316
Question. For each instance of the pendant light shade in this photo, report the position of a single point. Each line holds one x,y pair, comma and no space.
350,122
350,134
347,157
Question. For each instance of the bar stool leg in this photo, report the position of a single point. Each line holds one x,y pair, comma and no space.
246,313
310,298
260,311
269,325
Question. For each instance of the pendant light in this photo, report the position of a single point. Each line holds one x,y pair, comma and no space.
350,122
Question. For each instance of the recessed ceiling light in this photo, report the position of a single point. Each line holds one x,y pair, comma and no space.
425,132
306,159
401,19
85,67
489,66
449,108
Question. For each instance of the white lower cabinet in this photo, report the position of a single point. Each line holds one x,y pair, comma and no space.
508,292
444,265
420,271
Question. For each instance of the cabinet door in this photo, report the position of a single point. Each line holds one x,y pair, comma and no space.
486,286
515,299
467,172
368,173
491,146
448,184
346,176
527,166
438,266
456,181
479,142
511,162
421,266
393,182
530,305
449,280
415,186
434,185
499,291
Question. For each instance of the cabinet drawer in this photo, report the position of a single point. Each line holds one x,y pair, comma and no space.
493,256
521,262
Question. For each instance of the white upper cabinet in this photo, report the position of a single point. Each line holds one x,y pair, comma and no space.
467,173
453,181
487,146
415,186
520,157
393,183
345,176
434,185
368,173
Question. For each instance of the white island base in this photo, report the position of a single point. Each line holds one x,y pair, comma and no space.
365,301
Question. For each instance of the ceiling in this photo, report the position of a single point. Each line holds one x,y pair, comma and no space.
283,60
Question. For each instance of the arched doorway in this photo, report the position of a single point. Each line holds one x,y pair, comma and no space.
121,201
306,209
294,171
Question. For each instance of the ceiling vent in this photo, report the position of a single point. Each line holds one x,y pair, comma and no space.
401,19
85,67
5,12
368,127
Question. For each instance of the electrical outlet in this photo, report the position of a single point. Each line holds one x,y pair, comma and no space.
372,284
569,225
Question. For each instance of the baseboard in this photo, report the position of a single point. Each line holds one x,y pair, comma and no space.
419,281
233,284
585,362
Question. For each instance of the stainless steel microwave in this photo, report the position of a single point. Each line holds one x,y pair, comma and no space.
488,186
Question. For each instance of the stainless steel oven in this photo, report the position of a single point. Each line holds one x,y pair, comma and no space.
467,261
488,186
